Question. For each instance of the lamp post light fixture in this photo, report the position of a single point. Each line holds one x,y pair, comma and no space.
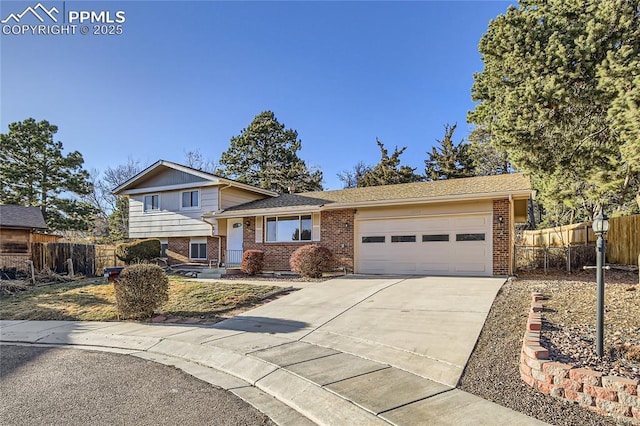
600,228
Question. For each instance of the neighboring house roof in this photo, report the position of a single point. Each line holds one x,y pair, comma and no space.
481,187
131,185
21,217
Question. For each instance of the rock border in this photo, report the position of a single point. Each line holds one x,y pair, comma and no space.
613,396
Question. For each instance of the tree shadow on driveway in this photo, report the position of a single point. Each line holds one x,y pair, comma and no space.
255,324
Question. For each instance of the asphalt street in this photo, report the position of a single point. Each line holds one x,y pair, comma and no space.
53,386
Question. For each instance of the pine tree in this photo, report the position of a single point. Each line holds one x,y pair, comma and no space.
34,172
389,171
484,157
265,155
559,93
448,160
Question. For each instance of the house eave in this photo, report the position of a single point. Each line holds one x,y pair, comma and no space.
124,189
222,214
521,194
24,228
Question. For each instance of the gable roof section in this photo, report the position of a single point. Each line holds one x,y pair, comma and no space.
481,187
131,185
21,217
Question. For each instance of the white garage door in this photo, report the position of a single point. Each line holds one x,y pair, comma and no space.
445,245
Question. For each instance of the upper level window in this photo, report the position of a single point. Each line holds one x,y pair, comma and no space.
151,203
190,199
289,228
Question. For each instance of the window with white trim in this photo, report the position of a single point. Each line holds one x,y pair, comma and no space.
152,203
190,199
289,228
198,249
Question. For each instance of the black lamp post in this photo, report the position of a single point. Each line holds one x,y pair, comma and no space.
600,228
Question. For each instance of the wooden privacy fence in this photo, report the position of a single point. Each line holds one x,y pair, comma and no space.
106,257
560,236
88,259
45,238
623,238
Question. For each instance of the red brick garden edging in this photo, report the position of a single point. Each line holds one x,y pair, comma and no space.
607,395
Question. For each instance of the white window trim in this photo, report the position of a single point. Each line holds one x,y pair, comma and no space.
144,204
197,241
198,207
266,225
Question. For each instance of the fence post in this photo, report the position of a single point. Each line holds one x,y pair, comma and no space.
33,272
569,258
70,267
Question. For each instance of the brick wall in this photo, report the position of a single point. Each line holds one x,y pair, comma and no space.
336,234
606,395
501,238
212,251
178,250
336,231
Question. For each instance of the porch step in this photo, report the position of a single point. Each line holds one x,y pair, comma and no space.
211,273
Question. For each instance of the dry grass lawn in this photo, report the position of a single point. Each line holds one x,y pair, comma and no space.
94,300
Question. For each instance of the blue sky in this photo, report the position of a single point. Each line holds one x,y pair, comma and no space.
190,75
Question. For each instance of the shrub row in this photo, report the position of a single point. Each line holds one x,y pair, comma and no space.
309,261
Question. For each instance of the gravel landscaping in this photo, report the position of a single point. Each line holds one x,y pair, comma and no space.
568,333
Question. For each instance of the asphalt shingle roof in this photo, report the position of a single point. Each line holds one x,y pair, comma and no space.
420,190
21,217
284,200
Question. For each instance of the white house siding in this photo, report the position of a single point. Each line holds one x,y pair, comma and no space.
233,197
170,221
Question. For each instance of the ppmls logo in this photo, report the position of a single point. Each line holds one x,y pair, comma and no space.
40,20
38,11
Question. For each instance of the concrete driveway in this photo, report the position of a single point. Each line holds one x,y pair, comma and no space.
424,325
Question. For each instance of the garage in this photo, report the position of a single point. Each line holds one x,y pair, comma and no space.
440,245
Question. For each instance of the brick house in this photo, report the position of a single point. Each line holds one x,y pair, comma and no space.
169,201
450,227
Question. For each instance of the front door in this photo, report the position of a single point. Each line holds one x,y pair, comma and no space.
234,242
